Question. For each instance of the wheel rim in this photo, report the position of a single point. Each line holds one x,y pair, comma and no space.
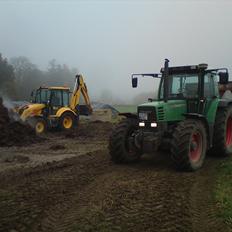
67,122
195,147
39,127
229,132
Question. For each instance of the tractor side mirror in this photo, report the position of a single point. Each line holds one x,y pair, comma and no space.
223,78
134,82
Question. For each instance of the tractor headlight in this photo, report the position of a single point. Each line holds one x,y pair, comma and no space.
141,124
153,124
143,115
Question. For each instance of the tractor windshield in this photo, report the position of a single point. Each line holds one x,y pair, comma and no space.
181,86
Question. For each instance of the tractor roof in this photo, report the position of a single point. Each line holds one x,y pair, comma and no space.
55,87
186,69
60,88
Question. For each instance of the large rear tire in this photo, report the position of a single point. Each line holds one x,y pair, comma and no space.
121,147
222,139
67,121
189,145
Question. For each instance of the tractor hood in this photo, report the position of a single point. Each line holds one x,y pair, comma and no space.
172,110
30,110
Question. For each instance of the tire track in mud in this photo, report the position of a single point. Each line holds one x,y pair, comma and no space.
140,199
27,196
204,209
89,193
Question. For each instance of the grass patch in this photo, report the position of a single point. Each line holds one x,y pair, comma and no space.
223,192
126,108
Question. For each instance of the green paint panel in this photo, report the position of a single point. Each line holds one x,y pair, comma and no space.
172,110
175,109
211,110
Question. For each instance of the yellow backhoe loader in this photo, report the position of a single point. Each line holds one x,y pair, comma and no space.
53,107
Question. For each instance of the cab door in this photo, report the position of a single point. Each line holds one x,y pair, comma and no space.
211,95
56,101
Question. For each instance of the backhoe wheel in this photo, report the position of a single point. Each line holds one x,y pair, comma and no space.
121,145
67,121
39,124
222,139
189,145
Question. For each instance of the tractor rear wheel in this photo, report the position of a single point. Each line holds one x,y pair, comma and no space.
189,145
222,139
67,121
121,144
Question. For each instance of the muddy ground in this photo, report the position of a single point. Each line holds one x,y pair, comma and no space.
67,182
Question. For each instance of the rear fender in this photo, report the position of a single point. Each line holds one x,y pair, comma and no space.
64,110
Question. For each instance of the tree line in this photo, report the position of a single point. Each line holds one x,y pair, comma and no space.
19,76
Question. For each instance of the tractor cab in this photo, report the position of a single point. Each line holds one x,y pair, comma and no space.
195,86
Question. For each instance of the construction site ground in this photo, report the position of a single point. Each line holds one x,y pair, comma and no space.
67,182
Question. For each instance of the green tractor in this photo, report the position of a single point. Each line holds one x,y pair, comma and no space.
192,115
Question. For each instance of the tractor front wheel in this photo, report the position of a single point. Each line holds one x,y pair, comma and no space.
121,144
39,124
189,145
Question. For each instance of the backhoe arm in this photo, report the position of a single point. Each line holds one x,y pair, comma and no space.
80,88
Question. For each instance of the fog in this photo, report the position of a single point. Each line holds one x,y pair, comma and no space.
107,41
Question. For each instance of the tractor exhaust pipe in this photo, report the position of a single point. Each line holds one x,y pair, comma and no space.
166,81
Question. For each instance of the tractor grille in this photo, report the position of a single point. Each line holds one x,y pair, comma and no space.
150,111
160,111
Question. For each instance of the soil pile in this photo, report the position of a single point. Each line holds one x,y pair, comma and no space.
14,133
95,129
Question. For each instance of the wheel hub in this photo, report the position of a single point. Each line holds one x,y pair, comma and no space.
195,147
67,123
39,127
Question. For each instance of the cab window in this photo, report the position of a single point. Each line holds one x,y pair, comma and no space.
183,86
65,98
42,96
210,85
56,98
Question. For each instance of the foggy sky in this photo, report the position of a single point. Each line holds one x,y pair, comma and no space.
109,40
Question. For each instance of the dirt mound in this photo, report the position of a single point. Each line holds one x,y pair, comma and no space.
95,129
4,118
14,133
